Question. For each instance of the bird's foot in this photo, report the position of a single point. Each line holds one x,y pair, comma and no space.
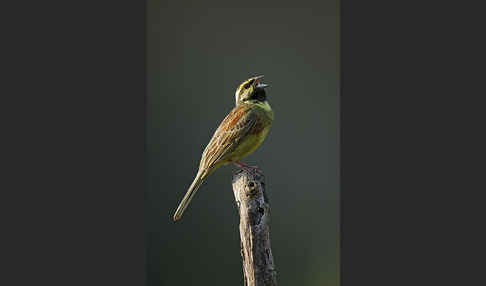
251,169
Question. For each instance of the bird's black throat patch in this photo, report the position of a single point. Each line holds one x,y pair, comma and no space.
259,95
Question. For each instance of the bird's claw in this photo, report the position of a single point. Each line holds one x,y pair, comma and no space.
251,169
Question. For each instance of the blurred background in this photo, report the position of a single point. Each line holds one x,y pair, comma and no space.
197,54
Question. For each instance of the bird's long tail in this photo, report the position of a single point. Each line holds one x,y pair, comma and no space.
189,194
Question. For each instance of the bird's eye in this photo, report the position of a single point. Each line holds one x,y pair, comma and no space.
247,85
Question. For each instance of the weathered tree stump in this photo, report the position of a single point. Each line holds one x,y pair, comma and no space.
254,211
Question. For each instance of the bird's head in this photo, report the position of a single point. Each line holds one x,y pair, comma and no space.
251,89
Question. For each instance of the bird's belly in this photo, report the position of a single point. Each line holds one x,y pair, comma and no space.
250,143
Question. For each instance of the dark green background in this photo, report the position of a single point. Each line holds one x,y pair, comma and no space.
197,54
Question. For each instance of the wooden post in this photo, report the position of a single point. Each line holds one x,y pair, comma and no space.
254,211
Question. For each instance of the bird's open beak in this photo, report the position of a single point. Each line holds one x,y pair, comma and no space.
261,85
257,82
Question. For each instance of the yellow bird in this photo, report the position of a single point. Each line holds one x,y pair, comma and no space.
238,135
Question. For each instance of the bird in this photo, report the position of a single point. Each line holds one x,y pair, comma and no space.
238,135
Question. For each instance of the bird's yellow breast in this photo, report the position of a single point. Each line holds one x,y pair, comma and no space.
251,142
267,110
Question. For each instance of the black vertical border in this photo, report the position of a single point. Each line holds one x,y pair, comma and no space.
410,116
74,189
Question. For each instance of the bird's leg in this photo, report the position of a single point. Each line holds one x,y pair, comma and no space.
245,166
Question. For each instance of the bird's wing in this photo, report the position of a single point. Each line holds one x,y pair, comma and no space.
240,122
